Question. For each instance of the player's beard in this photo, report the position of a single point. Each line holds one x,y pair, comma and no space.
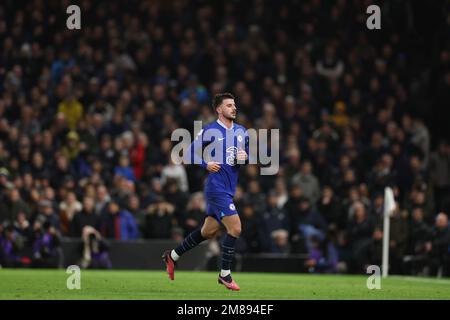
230,116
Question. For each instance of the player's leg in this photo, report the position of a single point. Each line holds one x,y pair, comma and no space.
210,228
207,231
233,225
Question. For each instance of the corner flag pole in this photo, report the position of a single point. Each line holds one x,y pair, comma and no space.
389,206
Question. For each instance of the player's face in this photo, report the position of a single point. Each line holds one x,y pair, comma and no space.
228,109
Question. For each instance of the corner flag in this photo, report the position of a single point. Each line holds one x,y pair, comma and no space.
389,206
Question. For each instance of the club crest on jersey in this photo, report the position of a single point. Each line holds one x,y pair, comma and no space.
239,138
231,155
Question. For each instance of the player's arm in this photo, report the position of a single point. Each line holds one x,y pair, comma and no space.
243,153
195,152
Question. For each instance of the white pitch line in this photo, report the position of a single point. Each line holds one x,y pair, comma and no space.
421,279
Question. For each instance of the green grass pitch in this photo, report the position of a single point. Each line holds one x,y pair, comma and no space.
51,284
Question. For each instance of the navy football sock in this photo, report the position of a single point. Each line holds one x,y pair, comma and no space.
191,241
227,252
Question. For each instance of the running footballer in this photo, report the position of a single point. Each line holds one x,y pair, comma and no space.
229,142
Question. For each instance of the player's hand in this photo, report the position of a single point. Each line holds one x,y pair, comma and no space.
213,166
241,155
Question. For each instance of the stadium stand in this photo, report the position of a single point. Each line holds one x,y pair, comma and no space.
86,117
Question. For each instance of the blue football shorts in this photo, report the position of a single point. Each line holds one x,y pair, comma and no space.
219,205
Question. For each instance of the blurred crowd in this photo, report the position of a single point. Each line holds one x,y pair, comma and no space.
86,118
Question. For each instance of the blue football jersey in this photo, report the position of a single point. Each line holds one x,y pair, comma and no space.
217,143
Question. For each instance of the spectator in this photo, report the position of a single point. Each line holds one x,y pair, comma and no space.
273,220
22,226
47,214
100,105
124,169
382,175
398,240
281,193
339,118
249,240
4,174
280,239
123,190
107,154
330,207
304,221
159,220
323,257
269,119
255,197
419,235
293,165
11,249
72,147
177,173
360,232
102,199
72,109
440,175
194,90
195,214
39,169
134,207
137,155
118,223
374,249
95,251
85,217
418,198
376,211
306,180
175,197
439,245
421,138
330,66
67,209
291,208
12,206
63,169
46,247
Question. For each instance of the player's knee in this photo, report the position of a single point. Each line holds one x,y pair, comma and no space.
208,234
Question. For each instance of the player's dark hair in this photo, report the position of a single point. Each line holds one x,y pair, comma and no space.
218,99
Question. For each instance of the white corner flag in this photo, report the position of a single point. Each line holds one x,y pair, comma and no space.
389,206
